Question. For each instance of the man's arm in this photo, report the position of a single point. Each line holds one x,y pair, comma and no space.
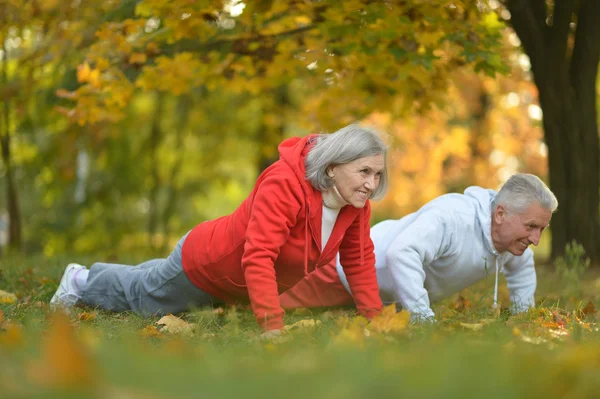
521,281
420,243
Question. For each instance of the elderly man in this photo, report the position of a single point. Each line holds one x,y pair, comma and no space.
449,244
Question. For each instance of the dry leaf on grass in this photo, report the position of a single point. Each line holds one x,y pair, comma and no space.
390,321
472,326
11,335
86,316
150,332
303,324
175,325
7,298
65,363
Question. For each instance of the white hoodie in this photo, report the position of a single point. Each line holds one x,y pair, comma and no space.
443,248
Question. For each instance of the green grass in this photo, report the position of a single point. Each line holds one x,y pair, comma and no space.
508,357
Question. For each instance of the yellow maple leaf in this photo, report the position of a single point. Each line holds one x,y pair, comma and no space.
390,321
353,333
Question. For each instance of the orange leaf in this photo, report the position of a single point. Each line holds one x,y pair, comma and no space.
150,332
86,316
461,304
64,364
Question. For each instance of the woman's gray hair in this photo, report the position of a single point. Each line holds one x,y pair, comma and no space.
346,145
523,190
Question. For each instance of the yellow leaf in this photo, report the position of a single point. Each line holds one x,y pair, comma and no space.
7,297
175,325
137,58
64,363
390,321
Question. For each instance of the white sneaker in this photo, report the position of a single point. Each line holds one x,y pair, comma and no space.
67,294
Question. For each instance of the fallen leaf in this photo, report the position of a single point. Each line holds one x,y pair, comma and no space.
64,363
303,324
390,321
175,325
11,335
461,304
86,316
150,332
473,326
7,298
353,333
218,311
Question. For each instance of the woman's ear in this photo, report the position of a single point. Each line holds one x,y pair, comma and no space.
330,172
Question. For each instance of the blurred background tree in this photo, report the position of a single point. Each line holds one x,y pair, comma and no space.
126,123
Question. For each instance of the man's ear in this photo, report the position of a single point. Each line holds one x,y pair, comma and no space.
499,214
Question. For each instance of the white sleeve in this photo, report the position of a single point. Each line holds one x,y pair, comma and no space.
421,242
521,281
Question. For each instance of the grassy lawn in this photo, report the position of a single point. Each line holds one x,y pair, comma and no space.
472,351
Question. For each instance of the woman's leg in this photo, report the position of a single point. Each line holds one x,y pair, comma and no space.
155,287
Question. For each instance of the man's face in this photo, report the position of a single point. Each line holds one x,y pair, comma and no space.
514,232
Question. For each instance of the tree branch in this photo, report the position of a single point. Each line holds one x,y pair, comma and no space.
528,19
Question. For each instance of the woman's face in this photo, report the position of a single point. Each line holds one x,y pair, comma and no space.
357,180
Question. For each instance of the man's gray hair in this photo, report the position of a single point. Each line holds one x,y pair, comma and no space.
523,190
346,145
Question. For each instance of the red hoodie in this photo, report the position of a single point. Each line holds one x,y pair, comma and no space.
273,240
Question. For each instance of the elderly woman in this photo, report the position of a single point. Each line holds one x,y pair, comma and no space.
307,206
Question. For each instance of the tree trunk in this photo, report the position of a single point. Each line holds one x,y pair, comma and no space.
566,81
14,217
154,142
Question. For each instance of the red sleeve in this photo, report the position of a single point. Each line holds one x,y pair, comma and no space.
359,266
274,212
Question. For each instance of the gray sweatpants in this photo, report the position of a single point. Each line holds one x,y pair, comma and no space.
155,287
